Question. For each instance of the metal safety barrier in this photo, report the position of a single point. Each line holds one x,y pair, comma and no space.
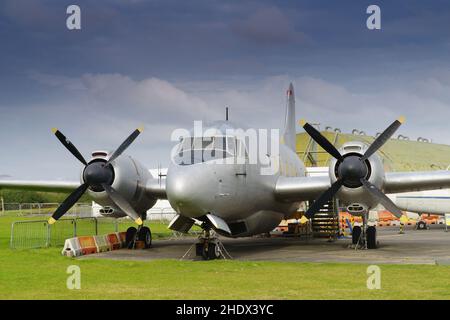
21,209
161,214
40,234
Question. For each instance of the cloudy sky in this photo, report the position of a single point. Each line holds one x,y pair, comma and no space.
167,63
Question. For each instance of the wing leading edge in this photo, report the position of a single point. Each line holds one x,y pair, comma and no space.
307,188
154,188
44,186
301,188
397,182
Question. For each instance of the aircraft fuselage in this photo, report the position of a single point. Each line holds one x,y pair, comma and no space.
237,193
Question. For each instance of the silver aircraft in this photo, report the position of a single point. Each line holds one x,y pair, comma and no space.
234,198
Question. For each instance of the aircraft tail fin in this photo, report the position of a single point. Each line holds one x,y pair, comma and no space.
289,135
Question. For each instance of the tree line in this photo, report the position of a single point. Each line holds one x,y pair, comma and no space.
20,196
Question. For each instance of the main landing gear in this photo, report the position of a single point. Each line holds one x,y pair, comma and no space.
364,237
142,234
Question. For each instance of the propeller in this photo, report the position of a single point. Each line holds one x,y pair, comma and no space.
352,170
97,175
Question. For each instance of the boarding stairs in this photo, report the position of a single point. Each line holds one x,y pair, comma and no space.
325,222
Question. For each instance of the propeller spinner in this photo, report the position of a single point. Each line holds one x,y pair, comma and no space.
353,170
99,176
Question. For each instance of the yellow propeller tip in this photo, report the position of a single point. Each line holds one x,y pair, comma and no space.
139,221
401,119
51,220
54,130
302,122
141,129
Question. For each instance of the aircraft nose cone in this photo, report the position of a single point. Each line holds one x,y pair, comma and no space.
96,173
183,194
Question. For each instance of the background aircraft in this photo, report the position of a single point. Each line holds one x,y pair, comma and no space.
435,202
233,197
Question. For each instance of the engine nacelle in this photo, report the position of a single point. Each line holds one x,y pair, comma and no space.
129,179
354,196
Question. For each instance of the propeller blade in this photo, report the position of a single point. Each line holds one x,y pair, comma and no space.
125,144
66,142
382,138
382,198
122,203
324,198
322,141
68,203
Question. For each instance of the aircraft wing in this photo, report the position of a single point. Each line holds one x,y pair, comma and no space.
155,188
45,186
397,182
301,188
307,188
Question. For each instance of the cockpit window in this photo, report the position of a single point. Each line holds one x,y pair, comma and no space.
201,149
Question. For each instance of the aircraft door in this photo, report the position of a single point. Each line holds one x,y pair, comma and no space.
225,172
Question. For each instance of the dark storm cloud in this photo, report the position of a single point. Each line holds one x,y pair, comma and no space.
267,26
195,38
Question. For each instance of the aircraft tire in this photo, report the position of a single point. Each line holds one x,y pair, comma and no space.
214,251
421,225
210,252
356,234
129,238
145,235
205,252
371,236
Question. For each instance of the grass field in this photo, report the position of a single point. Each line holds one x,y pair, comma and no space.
41,274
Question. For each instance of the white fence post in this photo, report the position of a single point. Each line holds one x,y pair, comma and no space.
3,205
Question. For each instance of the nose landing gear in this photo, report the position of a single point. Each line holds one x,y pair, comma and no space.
209,247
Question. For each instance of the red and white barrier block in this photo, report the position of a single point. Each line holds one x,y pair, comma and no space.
80,246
